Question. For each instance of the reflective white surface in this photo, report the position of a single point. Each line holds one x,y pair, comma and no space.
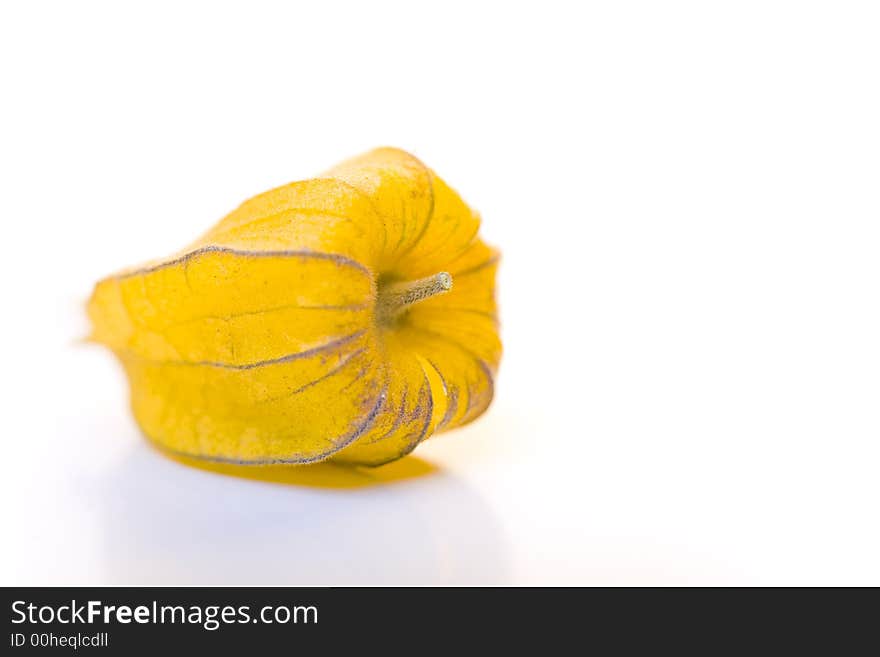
686,198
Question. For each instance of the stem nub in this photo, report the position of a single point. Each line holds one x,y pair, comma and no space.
394,298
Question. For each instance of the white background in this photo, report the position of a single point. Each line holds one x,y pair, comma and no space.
687,195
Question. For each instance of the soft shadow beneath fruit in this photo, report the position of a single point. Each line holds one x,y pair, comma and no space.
410,523
316,475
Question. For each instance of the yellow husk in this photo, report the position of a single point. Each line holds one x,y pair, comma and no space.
263,341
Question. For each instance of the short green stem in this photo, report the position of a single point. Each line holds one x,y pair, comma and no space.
396,297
